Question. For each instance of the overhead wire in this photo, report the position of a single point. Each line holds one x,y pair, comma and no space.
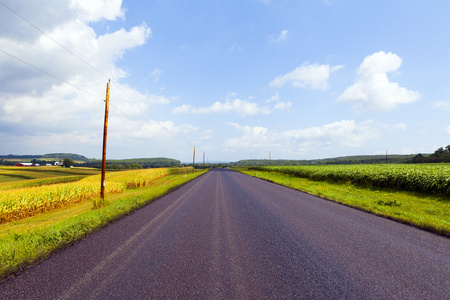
38,29
74,54
64,81
49,74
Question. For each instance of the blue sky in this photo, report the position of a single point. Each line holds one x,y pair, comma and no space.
236,79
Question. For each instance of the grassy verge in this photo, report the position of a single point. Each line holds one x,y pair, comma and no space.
431,213
30,240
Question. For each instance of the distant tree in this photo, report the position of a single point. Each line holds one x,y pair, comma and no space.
419,158
440,150
447,148
68,162
136,166
113,166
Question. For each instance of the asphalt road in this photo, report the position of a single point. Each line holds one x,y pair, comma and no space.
225,235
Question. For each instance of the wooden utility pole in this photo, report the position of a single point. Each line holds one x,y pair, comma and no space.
193,162
105,129
203,159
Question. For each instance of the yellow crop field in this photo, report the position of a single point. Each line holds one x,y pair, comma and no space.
24,202
138,178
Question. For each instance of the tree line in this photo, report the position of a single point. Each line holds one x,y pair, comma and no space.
440,155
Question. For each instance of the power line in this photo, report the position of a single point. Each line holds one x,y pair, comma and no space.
71,52
51,75
64,81
37,28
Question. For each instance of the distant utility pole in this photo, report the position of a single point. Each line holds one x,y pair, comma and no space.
105,129
193,162
203,159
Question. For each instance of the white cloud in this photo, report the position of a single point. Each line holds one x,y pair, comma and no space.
442,105
447,130
37,107
91,11
282,36
183,109
373,90
250,131
345,133
313,76
400,126
206,135
252,138
238,106
155,74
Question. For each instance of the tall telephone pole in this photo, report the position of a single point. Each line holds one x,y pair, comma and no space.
105,129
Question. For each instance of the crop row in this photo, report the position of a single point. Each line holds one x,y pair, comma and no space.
424,178
39,182
140,178
24,202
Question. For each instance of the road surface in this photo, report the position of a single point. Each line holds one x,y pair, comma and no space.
226,235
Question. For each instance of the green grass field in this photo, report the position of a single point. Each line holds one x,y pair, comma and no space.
427,211
424,178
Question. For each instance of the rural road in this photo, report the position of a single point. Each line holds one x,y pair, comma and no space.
226,235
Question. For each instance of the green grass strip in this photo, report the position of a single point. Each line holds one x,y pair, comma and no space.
427,212
19,249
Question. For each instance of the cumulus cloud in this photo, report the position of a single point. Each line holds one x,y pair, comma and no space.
312,76
345,133
373,90
37,107
237,106
92,11
252,138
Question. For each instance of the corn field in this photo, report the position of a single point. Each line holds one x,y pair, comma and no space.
424,178
24,202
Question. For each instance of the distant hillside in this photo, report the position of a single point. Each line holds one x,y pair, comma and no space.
135,163
156,162
359,159
50,157
61,156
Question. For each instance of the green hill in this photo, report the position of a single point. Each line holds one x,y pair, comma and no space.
357,159
156,162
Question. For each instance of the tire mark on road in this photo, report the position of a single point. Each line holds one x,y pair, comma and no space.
162,217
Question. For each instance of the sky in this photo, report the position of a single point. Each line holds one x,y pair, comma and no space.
237,79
